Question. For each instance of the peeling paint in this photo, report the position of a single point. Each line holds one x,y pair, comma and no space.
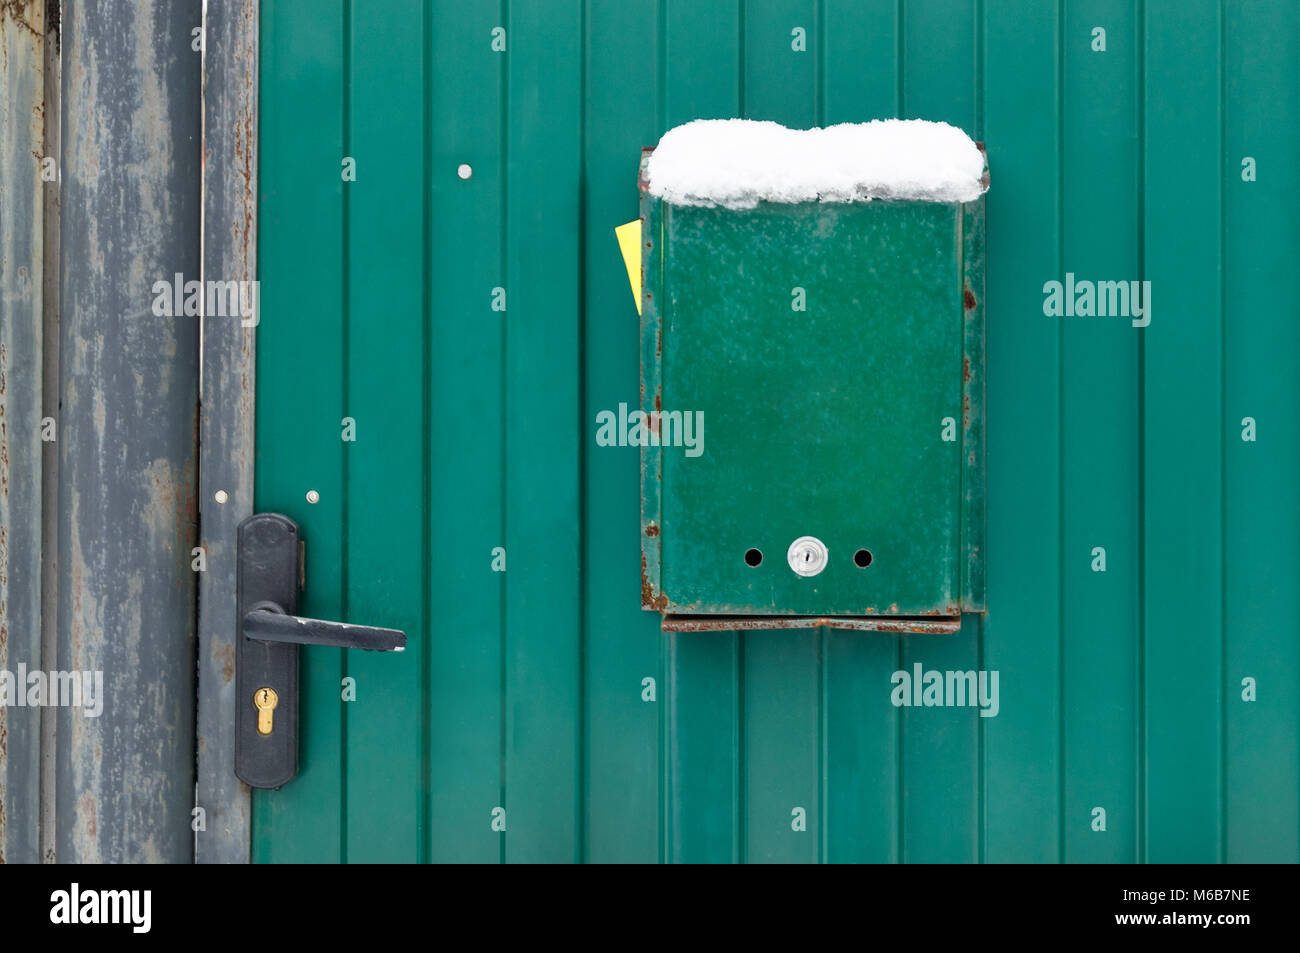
22,136
127,469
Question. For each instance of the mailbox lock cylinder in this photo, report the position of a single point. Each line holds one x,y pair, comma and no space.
807,556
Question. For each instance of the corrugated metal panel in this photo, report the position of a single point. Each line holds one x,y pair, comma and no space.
127,514
97,430
1119,690
23,455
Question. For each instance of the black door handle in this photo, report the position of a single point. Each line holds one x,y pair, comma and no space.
266,650
268,622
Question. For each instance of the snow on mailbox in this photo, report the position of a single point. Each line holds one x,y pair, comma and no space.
812,376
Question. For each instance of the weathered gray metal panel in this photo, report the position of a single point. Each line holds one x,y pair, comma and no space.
127,482
226,465
22,144
50,448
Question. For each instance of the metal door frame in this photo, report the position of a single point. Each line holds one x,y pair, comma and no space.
230,120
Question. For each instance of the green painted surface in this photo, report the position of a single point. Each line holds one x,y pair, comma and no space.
809,359
476,428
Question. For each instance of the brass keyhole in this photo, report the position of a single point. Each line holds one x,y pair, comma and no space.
265,700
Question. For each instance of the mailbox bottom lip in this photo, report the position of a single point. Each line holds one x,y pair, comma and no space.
931,625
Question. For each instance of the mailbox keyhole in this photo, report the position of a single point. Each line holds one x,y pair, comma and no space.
862,558
753,557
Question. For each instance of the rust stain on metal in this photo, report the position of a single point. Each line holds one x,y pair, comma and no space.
642,182
984,179
224,655
649,598
245,150
688,623
87,815
22,13
4,446
651,529
968,298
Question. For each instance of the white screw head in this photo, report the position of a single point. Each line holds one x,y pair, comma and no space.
807,556
221,496
464,171
313,496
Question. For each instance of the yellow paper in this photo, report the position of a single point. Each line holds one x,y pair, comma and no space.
629,243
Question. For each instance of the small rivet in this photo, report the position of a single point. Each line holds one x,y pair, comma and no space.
464,171
313,496
221,496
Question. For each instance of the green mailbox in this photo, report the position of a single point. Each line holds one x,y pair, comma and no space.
812,380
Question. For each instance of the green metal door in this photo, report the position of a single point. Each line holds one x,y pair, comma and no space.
439,185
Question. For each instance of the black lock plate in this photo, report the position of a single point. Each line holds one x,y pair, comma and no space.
268,574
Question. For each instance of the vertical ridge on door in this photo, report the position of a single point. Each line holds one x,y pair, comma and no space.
622,732
860,725
543,643
941,770
781,694
700,70
1184,436
1261,350
466,414
385,399
1099,434
1021,817
300,386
